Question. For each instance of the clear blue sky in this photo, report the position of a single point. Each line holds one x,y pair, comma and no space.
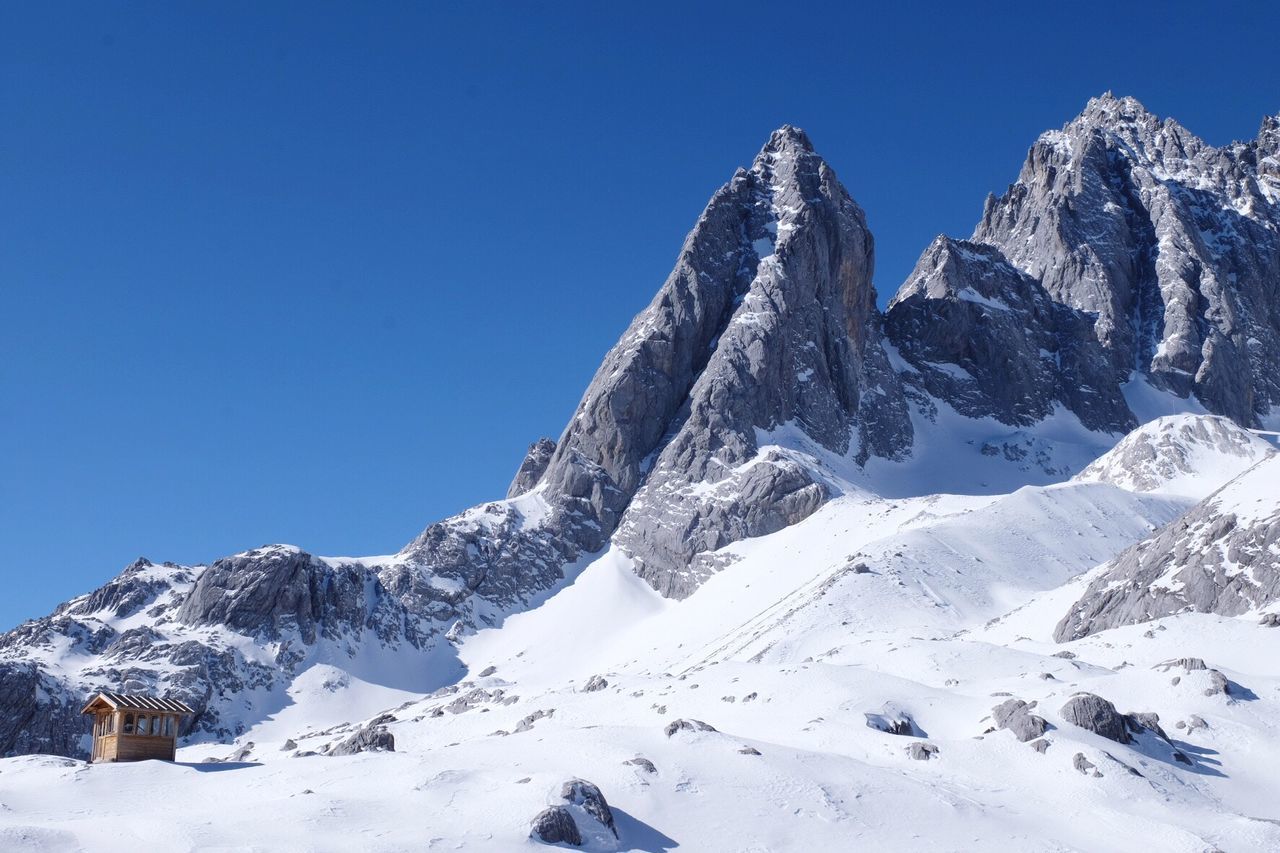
317,273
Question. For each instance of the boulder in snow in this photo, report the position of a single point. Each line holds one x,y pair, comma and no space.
921,751
584,795
373,738
555,825
1015,715
894,721
1096,715
683,725
594,683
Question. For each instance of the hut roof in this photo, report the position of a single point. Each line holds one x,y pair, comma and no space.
136,702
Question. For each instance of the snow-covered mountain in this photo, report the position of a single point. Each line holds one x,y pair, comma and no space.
1223,556
797,573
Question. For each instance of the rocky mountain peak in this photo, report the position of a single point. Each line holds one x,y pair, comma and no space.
1166,241
1110,110
786,139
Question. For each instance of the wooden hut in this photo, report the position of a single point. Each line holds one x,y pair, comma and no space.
135,727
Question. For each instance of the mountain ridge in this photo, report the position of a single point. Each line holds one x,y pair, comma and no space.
758,386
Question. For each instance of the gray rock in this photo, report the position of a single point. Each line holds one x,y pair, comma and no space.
683,725
1015,715
1270,620
38,713
748,750
374,738
894,721
1218,684
555,825
1185,664
241,754
276,590
594,683
991,341
769,319
288,745
588,797
1041,746
1097,715
527,722
533,467
1217,558
1084,765
920,751
643,763
1167,241
1149,720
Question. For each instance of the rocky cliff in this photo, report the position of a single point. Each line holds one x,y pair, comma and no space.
1171,244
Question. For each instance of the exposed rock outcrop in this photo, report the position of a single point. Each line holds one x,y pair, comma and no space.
921,751
1189,455
683,725
371,738
1217,558
1095,714
1015,715
990,340
533,467
894,721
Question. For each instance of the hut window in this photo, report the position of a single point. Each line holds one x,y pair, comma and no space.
110,725
128,724
142,725
168,726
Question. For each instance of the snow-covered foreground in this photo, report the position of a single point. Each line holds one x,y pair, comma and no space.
932,610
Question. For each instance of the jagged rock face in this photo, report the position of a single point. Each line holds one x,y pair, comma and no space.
797,345
491,559
532,468
36,714
272,591
183,632
1172,243
1178,453
1222,556
991,341
767,322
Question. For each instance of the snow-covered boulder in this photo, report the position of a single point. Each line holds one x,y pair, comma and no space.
1095,714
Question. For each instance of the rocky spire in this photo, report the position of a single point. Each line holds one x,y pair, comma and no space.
533,467
1167,240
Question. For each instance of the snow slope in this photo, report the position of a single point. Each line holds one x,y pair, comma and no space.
938,607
